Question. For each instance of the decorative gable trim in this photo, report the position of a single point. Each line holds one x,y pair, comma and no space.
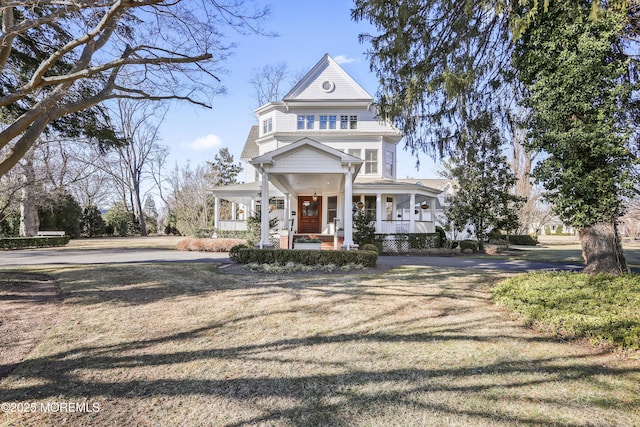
327,80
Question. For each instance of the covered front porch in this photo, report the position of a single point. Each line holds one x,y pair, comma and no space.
312,189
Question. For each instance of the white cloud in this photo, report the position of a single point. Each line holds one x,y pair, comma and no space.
344,59
205,143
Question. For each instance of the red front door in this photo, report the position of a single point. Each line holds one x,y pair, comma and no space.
309,214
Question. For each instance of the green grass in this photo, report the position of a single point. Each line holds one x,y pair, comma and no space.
184,344
604,309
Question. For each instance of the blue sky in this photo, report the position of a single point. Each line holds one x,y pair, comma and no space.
307,30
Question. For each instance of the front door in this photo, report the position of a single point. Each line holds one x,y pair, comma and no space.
309,214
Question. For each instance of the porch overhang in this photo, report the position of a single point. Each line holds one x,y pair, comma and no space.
306,167
243,193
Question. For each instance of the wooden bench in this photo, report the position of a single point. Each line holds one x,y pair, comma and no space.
46,233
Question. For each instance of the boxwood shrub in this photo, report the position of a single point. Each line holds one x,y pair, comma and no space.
33,242
308,257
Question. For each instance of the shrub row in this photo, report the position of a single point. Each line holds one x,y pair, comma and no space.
244,255
33,242
208,245
469,244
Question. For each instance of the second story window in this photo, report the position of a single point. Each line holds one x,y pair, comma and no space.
370,161
305,122
348,122
324,122
328,122
267,126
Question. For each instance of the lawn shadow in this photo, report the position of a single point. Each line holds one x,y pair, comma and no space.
402,346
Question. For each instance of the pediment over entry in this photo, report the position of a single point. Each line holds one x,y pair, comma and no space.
306,167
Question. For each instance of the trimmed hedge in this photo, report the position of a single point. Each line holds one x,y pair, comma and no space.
308,257
522,240
33,242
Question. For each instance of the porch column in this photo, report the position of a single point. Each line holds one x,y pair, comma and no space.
216,213
234,207
264,217
287,210
378,213
432,208
412,213
348,213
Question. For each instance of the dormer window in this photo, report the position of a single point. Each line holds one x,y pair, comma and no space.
267,126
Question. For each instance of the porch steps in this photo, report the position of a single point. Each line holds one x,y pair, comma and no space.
326,239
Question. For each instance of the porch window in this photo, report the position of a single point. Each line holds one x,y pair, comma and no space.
301,122
332,208
389,209
370,161
344,122
370,205
324,121
310,120
332,122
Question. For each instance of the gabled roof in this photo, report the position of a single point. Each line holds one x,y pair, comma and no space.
327,81
269,158
251,149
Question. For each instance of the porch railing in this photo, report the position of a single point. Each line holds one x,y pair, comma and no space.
232,225
404,226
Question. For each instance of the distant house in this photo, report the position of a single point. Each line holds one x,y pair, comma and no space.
321,154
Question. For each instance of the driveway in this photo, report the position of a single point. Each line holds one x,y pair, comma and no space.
31,257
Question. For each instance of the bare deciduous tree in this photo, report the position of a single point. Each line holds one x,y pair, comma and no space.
136,49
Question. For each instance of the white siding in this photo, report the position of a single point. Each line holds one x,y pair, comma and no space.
306,160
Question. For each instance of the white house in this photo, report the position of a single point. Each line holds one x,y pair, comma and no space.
321,154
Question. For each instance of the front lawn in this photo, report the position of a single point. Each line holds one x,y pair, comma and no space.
183,344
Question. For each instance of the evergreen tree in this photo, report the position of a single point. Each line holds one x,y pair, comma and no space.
484,198
92,222
61,212
571,59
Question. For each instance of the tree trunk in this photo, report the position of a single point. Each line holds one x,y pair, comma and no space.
602,249
29,222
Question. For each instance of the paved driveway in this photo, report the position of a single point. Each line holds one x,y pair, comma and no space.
30,257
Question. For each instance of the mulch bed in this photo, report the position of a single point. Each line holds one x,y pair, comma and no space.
30,304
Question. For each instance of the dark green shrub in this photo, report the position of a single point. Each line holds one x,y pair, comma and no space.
364,229
522,239
33,242
234,251
495,234
442,235
469,244
308,257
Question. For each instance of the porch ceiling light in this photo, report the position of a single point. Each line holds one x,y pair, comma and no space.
314,197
